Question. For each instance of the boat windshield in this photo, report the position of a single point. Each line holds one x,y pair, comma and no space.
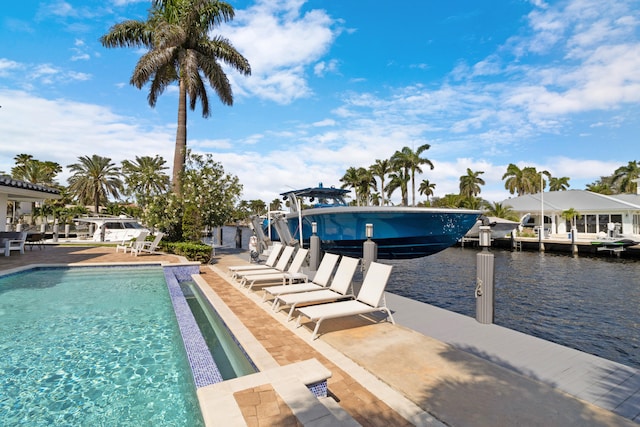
318,197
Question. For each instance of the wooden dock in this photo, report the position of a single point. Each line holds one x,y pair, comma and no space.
609,385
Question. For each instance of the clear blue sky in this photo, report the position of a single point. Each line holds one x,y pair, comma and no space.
554,85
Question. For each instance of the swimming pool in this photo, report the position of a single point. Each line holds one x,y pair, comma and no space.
92,346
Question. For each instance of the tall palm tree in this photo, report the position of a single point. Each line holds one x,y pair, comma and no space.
145,177
426,188
571,215
559,184
351,179
470,183
624,177
176,35
276,204
94,179
399,179
366,183
410,161
523,181
380,169
35,171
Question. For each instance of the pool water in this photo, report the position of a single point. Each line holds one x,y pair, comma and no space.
92,346
229,358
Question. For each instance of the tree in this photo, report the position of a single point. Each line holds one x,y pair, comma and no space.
559,184
176,35
601,186
410,161
399,179
276,204
144,177
570,215
94,179
523,181
426,188
499,210
624,177
209,195
470,183
35,171
380,169
350,179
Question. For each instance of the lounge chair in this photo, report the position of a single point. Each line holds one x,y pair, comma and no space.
294,268
339,289
281,266
15,243
276,249
148,247
128,245
370,299
320,280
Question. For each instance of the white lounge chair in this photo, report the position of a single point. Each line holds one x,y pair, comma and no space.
129,244
281,266
15,244
370,299
319,281
340,288
271,277
148,247
276,249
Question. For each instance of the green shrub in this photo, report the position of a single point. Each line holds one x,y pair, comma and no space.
193,251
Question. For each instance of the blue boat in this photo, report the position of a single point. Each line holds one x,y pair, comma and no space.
400,232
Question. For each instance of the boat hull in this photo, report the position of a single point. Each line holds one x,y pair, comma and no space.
400,233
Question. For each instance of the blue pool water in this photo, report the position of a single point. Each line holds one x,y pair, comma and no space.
92,346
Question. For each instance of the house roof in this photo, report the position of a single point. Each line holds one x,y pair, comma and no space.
580,200
23,191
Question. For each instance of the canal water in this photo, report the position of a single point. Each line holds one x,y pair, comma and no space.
591,304
588,303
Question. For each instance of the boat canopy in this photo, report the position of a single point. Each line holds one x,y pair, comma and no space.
319,197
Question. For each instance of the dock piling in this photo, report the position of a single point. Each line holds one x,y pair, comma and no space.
485,265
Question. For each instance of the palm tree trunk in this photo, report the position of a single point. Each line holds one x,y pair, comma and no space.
180,152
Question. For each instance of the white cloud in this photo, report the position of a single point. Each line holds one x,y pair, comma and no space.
61,131
280,42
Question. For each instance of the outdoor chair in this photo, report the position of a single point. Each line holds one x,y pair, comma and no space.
319,281
148,247
15,244
281,266
276,249
339,289
370,299
294,268
129,244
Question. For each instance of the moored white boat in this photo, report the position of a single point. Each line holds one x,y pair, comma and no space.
112,228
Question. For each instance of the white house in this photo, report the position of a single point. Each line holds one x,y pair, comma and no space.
21,191
599,213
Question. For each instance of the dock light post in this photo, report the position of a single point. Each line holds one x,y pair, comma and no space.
484,279
369,248
314,248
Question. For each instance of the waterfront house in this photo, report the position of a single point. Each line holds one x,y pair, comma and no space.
600,213
15,190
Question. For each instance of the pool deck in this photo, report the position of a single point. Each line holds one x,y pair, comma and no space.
433,367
